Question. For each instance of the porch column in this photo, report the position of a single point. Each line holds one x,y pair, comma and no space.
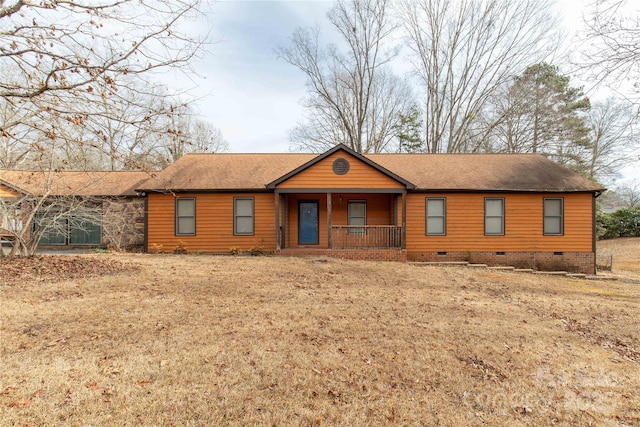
404,219
277,209
329,245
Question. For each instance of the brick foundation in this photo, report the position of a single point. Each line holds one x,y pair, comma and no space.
572,262
352,254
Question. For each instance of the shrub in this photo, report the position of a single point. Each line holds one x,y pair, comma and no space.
621,223
180,248
257,251
155,248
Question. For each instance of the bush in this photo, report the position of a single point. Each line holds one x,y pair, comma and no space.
621,223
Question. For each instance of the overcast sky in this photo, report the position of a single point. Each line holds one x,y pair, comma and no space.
246,91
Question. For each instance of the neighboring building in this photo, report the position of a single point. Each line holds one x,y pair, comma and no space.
116,217
500,209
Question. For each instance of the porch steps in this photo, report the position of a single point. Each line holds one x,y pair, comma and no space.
551,273
511,268
440,263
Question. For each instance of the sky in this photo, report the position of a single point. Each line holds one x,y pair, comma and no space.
250,94
246,91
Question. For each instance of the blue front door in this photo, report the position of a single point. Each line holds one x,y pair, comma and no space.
308,223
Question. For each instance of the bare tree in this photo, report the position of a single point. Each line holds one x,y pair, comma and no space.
188,134
613,138
27,217
464,50
629,194
611,43
61,61
354,98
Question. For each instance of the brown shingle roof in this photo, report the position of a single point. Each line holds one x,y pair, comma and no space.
487,172
456,172
226,171
64,183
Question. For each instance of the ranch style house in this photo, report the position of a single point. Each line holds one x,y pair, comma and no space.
519,210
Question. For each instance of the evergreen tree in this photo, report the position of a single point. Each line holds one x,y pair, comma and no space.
408,131
542,113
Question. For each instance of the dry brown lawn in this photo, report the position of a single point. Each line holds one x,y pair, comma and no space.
625,253
201,340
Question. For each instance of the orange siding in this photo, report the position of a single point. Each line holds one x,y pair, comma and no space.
214,223
523,224
379,212
7,192
321,175
465,222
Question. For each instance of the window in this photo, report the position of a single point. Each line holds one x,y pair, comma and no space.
494,216
84,233
68,230
55,230
436,217
243,216
357,215
185,217
553,216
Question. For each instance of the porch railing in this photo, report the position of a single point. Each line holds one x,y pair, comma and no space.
366,236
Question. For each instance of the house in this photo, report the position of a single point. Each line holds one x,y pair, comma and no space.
499,209
85,208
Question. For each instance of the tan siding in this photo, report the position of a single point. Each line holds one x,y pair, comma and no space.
321,175
214,223
7,192
523,224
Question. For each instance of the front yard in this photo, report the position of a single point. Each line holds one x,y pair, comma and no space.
204,340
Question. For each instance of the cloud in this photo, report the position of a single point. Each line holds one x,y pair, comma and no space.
247,92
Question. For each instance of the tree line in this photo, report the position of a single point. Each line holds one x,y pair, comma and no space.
482,79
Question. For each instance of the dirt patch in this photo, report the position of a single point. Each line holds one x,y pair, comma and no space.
39,268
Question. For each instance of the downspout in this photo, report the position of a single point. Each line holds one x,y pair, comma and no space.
594,229
146,223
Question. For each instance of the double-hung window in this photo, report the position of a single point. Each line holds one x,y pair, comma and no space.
357,215
185,217
243,216
436,216
554,216
494,216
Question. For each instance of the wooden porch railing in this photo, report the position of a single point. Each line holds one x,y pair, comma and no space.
366,236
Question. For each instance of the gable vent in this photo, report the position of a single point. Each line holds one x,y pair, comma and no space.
340,166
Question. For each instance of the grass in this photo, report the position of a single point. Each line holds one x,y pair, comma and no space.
204,340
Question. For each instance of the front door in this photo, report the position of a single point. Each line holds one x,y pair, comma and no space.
308,222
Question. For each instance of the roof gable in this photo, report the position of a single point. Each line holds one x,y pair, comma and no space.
340,167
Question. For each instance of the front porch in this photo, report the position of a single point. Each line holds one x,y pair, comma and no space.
315,223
